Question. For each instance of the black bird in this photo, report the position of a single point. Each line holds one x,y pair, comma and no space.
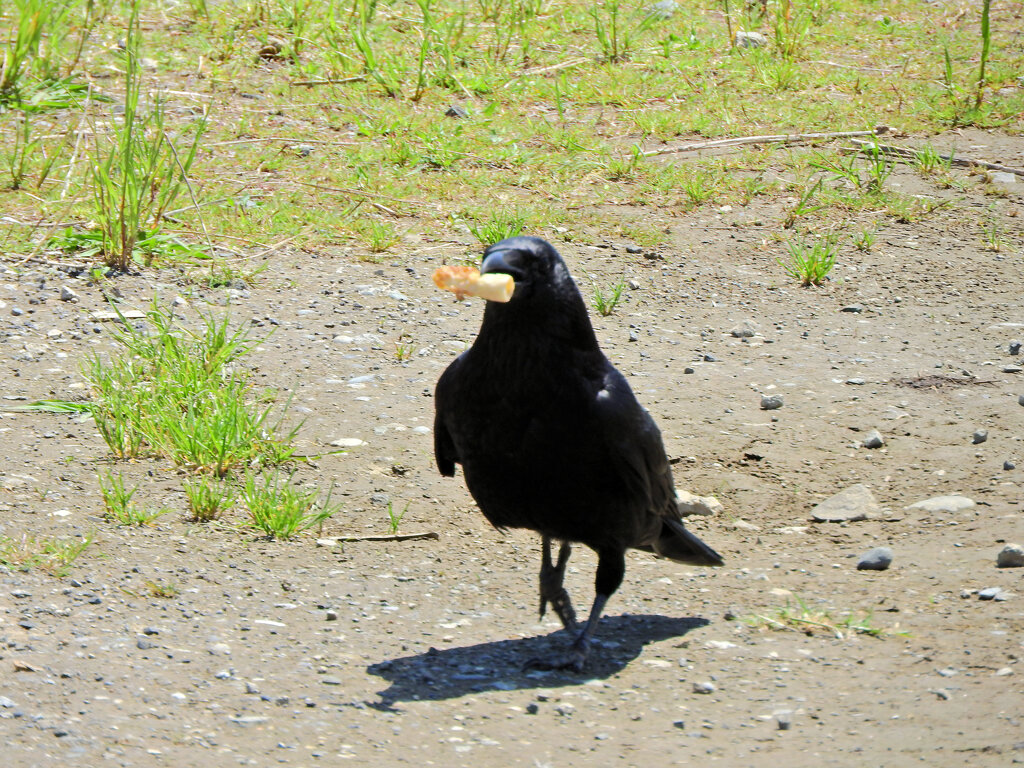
551,438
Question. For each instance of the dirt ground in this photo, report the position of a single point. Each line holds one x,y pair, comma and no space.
412,652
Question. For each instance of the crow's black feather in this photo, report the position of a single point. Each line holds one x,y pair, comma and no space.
549,434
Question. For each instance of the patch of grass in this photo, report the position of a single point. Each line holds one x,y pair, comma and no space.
180,393
796,615
52,554
404,348
208,499
605,304
136,172
864,239
811,262
500,225
281,509
163,589
117,502
395,518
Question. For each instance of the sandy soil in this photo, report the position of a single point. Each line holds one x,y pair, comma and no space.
412,652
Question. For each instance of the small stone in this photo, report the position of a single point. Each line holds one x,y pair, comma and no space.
66,294
459,113
980,436
991,593
691,504
855,309
849,505
1013,368
633,336
251,688
744,331
1002,177
532,708
1011,556
634,249
750,40
1008,465
784,720
1020,399
857,382
874,439
943,504
220,649
6,703
771,402
942,693
1014,347
634,285
331,615
704,686
347,442
688,369
18,311
877,559
709,358
565,709
680,724
145,645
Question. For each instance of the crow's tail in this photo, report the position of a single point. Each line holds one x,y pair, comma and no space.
677,543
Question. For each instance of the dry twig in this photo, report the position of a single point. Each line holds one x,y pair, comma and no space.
781,138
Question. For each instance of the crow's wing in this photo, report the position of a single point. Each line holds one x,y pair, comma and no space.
446,398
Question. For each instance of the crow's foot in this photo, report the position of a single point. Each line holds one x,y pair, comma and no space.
551,589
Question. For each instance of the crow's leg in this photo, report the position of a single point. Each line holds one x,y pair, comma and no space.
551,589
611,566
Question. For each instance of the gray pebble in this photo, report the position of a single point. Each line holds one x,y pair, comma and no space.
634,249
874,439
855,381
1011,556
145,645
991,593
1020,399
688,369
853,308
6,703
17,311
457,112
704,686
980,436
744,331
633,336
877,559
633,285
1008,465
784,720
1015,347
709,358
750,40
532,708
771,402
66,294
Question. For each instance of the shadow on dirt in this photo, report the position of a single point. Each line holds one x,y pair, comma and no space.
499,666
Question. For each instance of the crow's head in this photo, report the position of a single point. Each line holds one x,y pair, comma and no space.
534,264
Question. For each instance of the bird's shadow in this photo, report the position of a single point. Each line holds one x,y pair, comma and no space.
436,675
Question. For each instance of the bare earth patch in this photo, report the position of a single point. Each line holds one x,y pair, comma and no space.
184,644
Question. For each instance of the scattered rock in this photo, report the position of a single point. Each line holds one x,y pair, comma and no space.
784,720
1014,347
855,309
771,402
459,113
634,249
848,506
1011,556
704,686
943,504
991,593
691,504
744,331
877,559
1008,465
750,40
66,294
979,436
1020,399
347,442
1002,177
874,439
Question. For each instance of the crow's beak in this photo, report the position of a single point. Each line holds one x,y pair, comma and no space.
495,262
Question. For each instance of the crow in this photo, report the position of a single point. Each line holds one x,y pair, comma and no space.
551,438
